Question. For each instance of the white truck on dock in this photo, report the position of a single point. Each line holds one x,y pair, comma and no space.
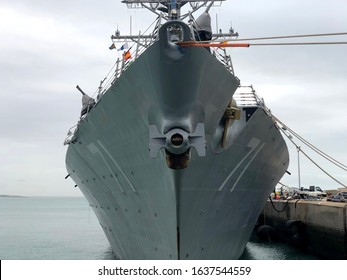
312,191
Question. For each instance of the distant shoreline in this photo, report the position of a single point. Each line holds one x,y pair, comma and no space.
4,195
35,196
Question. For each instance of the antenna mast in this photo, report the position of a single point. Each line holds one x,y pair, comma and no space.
172,8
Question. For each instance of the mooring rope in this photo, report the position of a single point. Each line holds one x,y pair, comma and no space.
247,45
285,128
273,206
227,43
290,36
280,37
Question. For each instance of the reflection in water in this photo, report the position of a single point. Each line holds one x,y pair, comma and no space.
108,254
274,250
256,250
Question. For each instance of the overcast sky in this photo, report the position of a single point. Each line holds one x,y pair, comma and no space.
48,47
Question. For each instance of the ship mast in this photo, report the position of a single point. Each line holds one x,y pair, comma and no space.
167,10
170,8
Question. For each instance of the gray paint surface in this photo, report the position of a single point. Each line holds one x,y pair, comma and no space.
148,211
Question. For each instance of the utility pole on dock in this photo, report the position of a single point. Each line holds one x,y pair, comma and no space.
298,149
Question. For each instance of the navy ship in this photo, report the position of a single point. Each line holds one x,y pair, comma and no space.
175,158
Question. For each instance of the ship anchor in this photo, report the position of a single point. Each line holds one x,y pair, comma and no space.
177,144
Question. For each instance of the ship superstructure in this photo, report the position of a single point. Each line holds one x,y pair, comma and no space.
174,164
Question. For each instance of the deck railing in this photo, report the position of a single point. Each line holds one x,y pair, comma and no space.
140,44
246,96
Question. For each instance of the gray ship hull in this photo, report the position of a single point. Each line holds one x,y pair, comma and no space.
149,211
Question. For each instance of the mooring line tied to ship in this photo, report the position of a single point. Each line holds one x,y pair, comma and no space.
273,206
289,133
220,43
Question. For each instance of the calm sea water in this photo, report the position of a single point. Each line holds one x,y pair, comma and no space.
33,228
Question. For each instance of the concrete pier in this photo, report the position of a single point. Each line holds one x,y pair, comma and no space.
318,226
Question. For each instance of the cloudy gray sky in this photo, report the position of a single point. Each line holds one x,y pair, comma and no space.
48,47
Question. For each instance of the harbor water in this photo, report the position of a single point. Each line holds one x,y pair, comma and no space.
61,228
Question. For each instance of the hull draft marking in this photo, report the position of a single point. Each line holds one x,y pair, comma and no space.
253,144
